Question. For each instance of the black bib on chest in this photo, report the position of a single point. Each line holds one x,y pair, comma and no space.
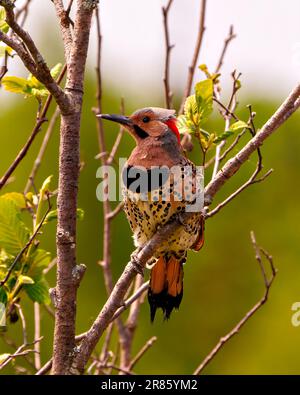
140,180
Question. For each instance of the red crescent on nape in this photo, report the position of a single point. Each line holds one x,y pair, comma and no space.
172,125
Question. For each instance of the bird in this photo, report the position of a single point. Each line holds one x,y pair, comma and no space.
160,198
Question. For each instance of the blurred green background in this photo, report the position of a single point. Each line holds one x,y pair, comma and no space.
222,281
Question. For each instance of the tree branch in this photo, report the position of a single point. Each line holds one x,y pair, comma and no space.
251,312
64,21
66,288
230,37
31,57
41,119
287,108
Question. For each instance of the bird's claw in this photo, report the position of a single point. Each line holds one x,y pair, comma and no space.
137,265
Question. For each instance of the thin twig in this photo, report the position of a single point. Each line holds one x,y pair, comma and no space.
116,211
45,369
227,117
192,66
142,351
64,20
230,37
23,11
130,300
37,335
51,265
252,180
4,68
13,345
23,151
39,158
106,261
168,93
227,111
23,321
125,371
20,352
105,347
36,129
117,142
31,56
228,150
250,313
131,325
49,310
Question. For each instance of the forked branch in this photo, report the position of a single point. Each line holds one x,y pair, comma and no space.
267,283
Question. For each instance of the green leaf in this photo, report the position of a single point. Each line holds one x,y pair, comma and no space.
13,232
39,260
17,85
3,298
39,93
205,133
211,140
38,292
181,124
34,83
190,107
238,125
22,280
204,99
52,215
5,262
223,136
17,198
56,70
3,25
46,185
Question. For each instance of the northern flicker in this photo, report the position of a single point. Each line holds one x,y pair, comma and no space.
159,200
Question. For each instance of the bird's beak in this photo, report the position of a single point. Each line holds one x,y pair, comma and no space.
116,118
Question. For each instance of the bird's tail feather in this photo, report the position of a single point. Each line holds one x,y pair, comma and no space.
166,286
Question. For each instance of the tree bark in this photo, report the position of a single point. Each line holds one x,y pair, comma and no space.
66,287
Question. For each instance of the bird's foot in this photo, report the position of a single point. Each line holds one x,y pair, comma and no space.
137,265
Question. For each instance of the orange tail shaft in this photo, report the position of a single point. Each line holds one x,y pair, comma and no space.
166,286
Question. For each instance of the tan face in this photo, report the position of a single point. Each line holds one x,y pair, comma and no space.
144,123
150,121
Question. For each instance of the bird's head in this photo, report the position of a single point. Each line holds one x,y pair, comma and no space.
147,122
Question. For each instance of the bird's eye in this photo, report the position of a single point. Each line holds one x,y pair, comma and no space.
146,119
